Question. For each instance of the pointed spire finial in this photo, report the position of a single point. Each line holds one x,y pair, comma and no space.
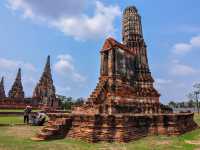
2,80
47,67
17,88
48,60
19,74
2,90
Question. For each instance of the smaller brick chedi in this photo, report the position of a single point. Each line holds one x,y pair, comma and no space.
124,106
16,91
2,89
45,90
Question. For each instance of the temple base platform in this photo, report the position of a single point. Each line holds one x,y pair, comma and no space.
117,128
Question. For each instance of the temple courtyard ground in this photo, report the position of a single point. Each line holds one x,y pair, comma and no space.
17,137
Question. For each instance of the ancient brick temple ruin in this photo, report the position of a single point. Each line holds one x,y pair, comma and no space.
124,105
16,98
44,95
45,90
125,83
2,89
16,91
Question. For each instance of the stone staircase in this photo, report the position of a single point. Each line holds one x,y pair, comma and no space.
54,129
95,95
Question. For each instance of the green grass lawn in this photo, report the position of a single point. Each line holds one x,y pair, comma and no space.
15,110
18,138
11,120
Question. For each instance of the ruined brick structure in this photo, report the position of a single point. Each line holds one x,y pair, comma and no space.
14,103
43,96
124,106
125,83
45,90
15,99
2,90
16,91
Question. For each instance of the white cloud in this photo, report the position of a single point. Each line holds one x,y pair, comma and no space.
9,64
65,68
183,48
64,64
69,17
78,77
163,81
8,69
20,5
63,90
47,9
195,41
85,27
179,69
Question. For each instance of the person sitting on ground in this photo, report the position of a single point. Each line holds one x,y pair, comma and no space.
40,119
27,112
32,119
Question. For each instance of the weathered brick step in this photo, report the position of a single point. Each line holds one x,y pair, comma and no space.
44,135
50,121
58,122
62,121
54,129
47,129
37,139
52,126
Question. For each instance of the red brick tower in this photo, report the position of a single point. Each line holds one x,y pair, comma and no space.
2,90
16,91
45,90
125,83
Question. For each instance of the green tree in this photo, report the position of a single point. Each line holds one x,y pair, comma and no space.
172,104
65,102
194,94
68,103
79,101
191,103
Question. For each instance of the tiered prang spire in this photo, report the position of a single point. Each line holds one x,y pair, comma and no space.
2,89
132,36
45,89
16,91
131,27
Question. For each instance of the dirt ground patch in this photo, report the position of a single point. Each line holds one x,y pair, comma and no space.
163,143
3,148
24,131
196,142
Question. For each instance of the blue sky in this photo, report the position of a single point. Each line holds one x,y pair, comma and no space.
73,32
